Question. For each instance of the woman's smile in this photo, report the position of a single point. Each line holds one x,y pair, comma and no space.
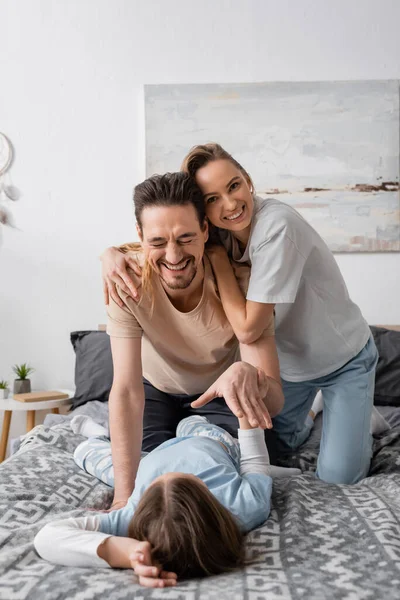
237,216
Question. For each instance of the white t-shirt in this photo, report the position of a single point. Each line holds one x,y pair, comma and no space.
317,326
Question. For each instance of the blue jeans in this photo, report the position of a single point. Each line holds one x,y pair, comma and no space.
348,393
94,454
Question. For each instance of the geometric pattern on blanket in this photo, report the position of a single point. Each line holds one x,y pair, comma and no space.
321,541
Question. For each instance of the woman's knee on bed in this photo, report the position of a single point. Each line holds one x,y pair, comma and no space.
346,441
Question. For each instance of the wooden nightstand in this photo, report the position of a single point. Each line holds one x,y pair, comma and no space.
30,408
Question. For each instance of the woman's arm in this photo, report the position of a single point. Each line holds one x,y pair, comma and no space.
114,264
248,319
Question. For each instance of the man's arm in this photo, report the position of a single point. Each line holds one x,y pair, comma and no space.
126,406
251,387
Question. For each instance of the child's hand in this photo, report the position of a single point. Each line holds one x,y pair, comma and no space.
149,574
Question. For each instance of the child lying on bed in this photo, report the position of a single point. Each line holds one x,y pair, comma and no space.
194,498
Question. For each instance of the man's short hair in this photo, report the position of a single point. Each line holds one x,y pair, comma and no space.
171,189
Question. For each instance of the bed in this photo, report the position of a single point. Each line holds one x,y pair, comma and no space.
321,541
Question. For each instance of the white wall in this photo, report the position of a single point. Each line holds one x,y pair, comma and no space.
70,100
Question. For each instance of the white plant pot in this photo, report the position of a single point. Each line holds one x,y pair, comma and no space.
4,393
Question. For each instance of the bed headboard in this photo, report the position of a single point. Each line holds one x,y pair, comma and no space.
103,327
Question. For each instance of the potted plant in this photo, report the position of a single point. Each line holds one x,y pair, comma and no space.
3,389
22,385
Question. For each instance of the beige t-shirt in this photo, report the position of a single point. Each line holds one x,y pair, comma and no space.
182,353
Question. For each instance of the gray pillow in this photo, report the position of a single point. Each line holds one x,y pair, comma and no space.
93,366
387,380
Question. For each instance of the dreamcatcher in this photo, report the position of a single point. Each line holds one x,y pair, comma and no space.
8,192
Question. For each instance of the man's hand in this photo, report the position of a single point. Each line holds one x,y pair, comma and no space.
244,389
150,574
117,504
114,265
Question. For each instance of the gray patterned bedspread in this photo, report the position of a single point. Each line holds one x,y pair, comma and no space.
320,542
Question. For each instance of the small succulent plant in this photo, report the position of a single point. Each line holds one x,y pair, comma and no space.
22,371
3,384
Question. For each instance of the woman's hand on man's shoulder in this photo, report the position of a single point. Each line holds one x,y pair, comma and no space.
117,268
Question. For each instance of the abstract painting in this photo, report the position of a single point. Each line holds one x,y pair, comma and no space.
330,149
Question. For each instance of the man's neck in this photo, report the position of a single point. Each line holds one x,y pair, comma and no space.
186,300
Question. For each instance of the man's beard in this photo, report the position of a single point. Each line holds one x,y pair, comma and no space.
180,282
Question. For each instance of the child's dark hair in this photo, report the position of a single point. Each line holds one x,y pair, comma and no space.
189,530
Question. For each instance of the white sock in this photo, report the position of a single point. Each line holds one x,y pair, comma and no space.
282,472
318,404
84,425
378,422
254,457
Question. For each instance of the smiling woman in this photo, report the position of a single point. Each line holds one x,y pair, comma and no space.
323,341
227,188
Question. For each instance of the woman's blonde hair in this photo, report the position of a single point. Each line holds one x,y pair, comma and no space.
199,156
189,531
147,269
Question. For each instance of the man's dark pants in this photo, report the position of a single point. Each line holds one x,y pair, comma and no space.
162,413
